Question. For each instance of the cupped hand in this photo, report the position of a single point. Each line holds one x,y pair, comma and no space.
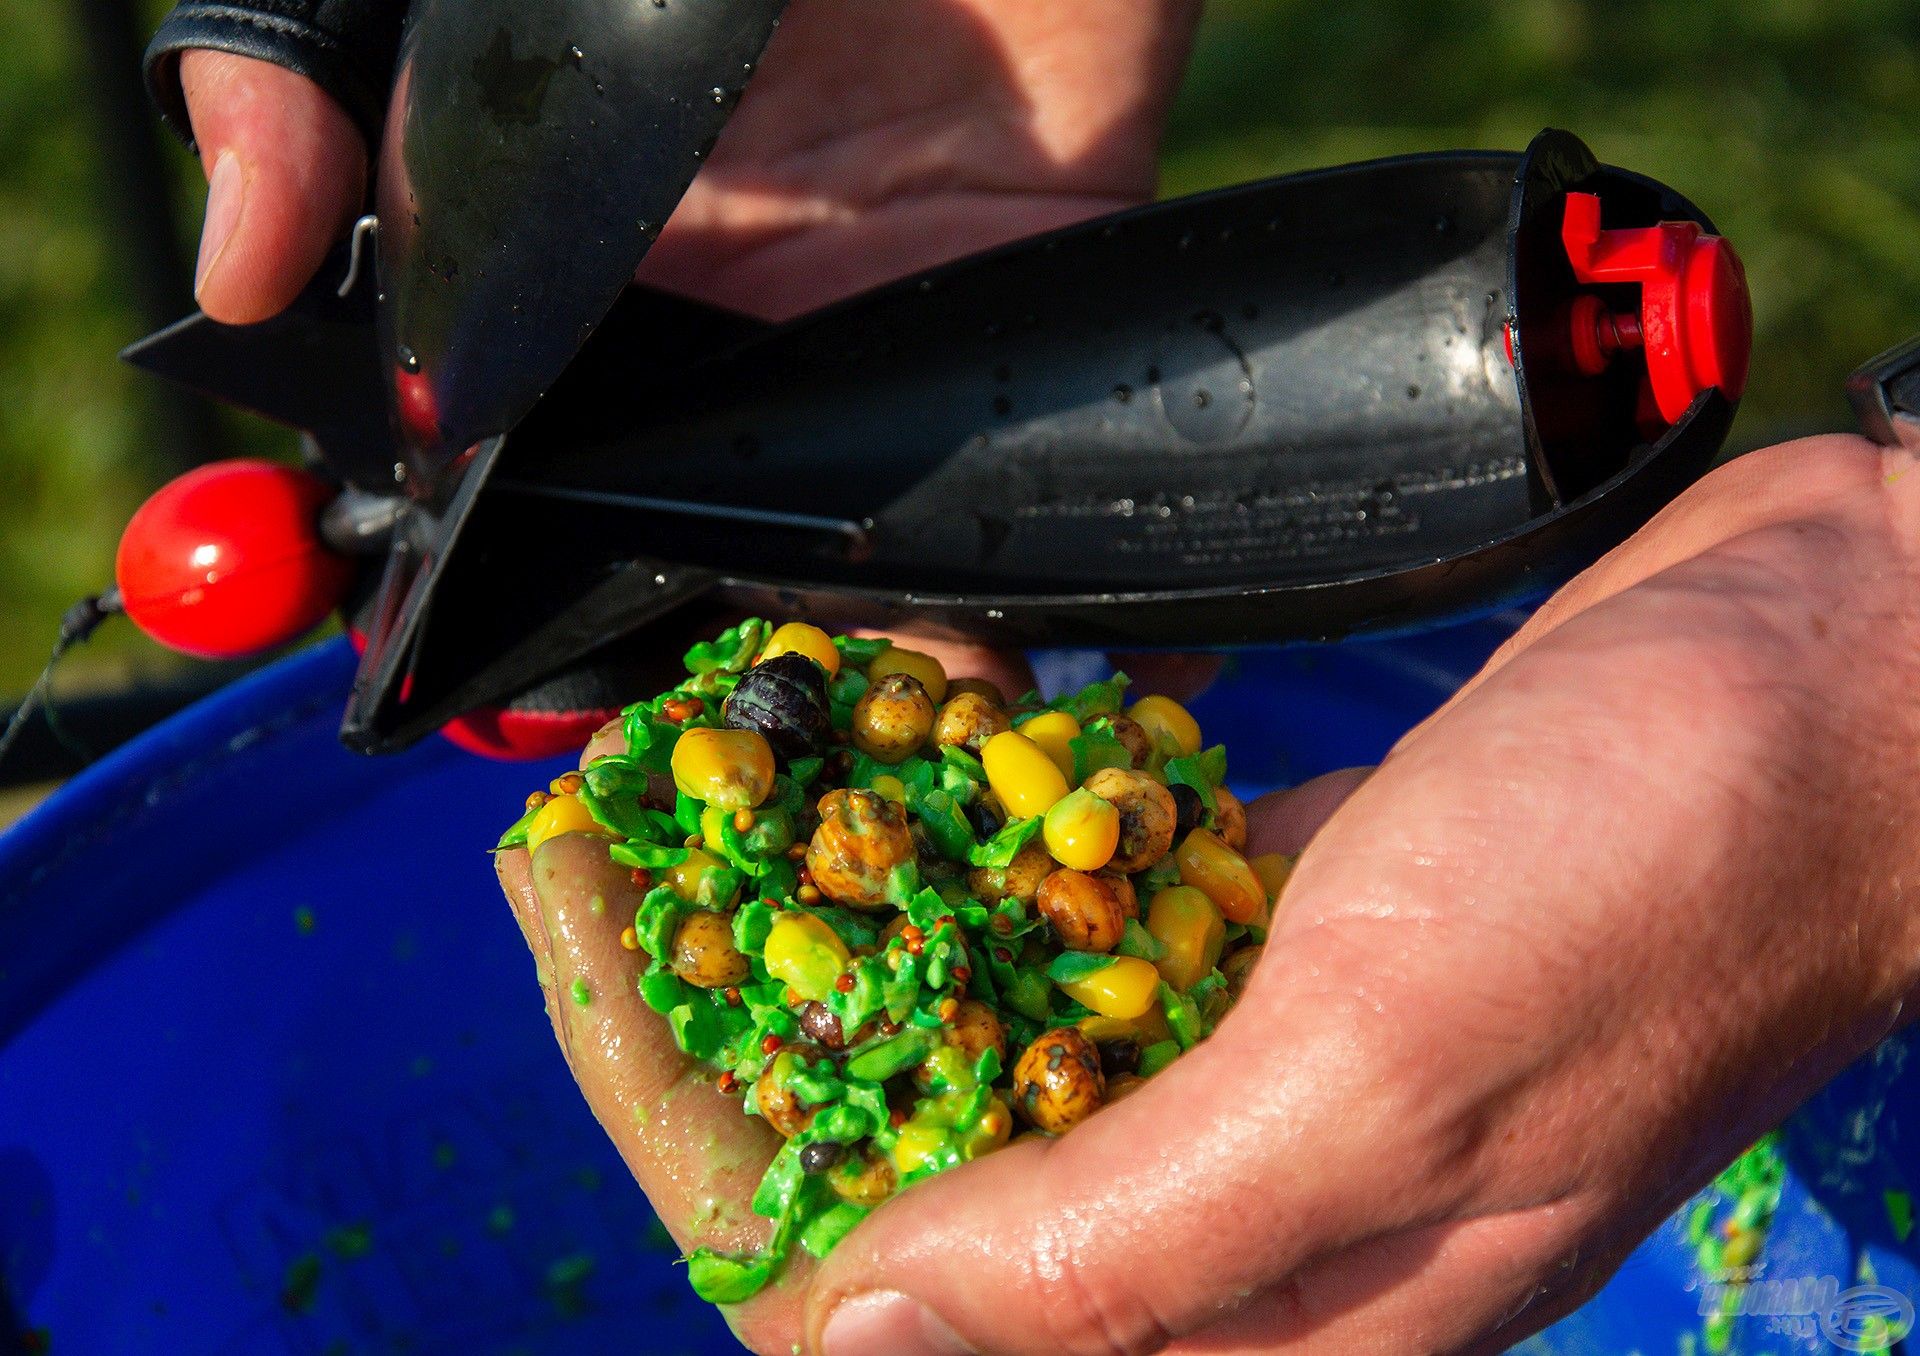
1584,934
875,140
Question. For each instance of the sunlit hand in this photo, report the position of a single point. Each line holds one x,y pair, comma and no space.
1583,935
878,137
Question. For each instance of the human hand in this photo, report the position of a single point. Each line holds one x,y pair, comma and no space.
1586,932
874,140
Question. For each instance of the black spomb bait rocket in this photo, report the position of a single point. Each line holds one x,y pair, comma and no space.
1354,399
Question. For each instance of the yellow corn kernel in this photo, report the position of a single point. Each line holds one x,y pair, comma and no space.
893,659
1274,869
1167,723
729,768
562,814
805,954
991,1132
916,1142
1190,927
1082,830
1222,875
684,879
1149,1028
1127,988
1052,731
1022,775
889,788
799,638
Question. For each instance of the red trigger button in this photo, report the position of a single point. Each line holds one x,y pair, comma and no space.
1696,320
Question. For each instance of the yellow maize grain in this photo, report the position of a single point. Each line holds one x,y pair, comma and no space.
732,769
1274,869
931,673
799,638
1125,989
1147,1029
1188,924
684,879
1053,731
1167,723
1222,875
991,1132
916,1142
562,814
805,954
1082,830
1022,775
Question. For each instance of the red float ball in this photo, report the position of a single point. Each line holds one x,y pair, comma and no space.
227,560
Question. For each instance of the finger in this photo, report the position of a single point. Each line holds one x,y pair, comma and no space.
1286,821
1180,676
1228,1171
1442,1288
286,171
696,1157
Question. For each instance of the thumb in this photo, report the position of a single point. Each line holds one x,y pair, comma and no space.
286,171
1162,1214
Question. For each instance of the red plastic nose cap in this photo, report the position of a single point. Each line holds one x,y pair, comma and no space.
227,560
1696,320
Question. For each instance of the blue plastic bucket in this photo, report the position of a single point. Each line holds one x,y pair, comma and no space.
274,1075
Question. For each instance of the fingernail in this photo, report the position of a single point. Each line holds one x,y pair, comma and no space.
226,192
888,1323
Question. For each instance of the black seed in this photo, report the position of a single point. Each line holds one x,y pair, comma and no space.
821,1155
1187,810
785,700
1120,1056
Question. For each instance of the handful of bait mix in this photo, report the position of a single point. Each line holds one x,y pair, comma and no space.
902,916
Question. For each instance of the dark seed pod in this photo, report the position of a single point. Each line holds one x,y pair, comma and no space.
985,822
785,701
1119,1056
820,1156
818,1021
1188,810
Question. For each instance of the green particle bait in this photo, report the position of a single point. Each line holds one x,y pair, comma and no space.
844,923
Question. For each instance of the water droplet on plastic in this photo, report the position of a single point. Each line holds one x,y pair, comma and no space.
575,55
599,88
1123,393
1413,393
1442,224
719,95
1201,400
409,359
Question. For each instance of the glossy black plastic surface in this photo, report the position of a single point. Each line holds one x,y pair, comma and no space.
532,152
1275,413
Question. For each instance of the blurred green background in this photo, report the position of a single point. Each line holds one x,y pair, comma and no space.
1795,123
